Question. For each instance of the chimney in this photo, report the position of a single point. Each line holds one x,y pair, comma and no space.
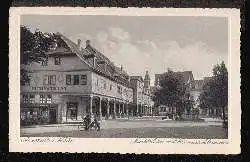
79,43
94,61
87,42
105,66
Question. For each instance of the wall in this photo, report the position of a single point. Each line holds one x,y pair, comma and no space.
37,81
68,63
72,65
98,87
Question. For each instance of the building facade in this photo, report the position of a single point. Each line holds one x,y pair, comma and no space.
74,81
142,95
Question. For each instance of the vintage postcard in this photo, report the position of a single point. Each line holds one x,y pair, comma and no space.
124,80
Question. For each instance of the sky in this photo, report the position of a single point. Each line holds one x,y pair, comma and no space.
140,43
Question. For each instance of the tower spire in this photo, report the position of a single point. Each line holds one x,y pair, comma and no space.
147,80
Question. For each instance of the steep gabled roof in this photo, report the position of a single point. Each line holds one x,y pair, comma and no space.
186,75
73,47
85,54
102,57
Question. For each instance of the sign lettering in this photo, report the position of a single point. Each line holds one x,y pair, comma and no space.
48,88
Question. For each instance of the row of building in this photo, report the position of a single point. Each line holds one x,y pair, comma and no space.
74,81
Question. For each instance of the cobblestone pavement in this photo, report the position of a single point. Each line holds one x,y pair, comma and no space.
123,128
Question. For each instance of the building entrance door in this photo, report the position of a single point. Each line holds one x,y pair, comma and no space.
52,116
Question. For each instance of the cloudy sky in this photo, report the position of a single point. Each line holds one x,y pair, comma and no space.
146,43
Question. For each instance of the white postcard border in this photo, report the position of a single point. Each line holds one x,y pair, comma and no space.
125,145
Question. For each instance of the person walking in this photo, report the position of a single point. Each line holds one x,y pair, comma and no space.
97,121
87,121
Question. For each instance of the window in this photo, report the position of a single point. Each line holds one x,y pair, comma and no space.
57,60
45,98
72,111
52,79
83,79
119,89
29,98
42,98
49,98
97,82
49,80
45,62
76,80
68,79
25,98
104,84
45,80
32,98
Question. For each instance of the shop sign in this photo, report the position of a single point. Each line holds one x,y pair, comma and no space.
46,89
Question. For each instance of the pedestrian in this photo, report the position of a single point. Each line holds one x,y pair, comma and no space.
97,121
87,121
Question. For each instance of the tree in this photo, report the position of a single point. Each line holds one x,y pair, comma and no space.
188,103
33,48
215,91
172,92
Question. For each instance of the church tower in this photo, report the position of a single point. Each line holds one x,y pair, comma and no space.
147,81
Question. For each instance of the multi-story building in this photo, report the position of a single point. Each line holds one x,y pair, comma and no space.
74,81
142,95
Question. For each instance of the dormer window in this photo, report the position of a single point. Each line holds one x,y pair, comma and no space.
45,62
57,60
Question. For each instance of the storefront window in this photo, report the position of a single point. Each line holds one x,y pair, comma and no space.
23,116
25,98
34,115
46,98
44,113
32,98
49,98
72,111
42,98
29,115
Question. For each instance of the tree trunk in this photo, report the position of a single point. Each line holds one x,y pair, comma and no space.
223,113
225,122
172,111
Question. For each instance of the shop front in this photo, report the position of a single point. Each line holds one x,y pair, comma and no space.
34,114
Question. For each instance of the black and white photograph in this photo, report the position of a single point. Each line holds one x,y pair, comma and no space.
118,76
